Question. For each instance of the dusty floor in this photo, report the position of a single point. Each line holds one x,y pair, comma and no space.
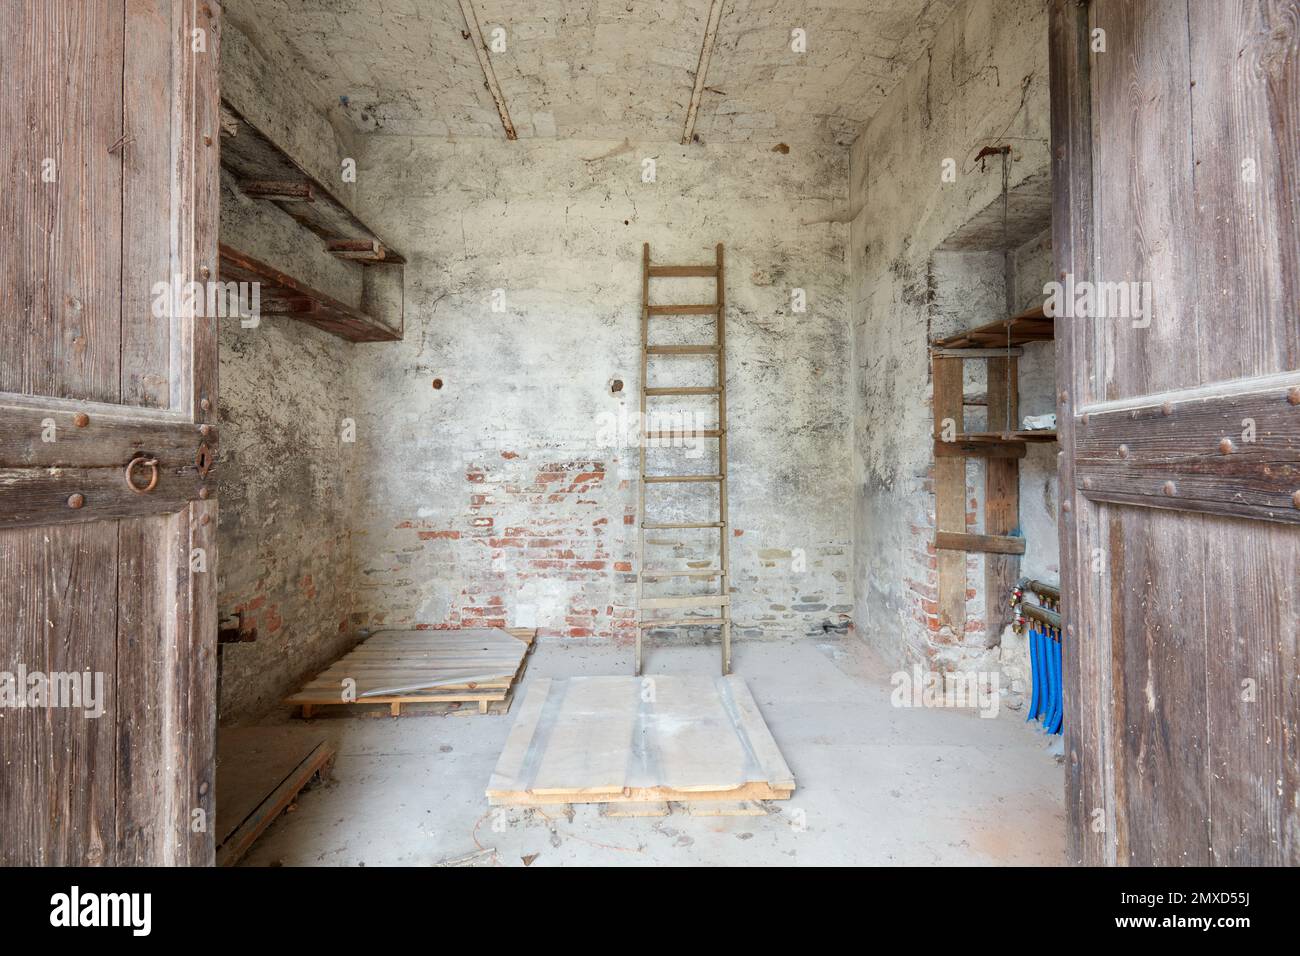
876,784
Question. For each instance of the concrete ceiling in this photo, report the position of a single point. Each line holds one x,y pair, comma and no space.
604,69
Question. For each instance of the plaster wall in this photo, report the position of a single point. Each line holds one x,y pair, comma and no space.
985,82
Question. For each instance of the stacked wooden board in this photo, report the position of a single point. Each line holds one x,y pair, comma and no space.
474,665
639,740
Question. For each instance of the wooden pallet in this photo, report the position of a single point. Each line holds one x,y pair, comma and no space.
600,740
398,668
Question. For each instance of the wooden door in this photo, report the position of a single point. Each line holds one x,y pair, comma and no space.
108,146
1176,144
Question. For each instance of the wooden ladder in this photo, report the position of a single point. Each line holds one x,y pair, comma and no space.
721,600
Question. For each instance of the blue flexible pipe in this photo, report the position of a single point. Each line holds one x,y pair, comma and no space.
1034,679
1054,720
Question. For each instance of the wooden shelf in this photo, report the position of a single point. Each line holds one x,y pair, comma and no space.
281,294
265,172
1033,325
1036,435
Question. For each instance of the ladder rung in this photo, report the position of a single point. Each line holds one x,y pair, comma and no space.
681,349
698,433
682,622
655,575
666,272
686,390
695,308
694,600
658,526
674,479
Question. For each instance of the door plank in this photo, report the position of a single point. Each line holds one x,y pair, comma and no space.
57,792
146,157
61,308
1245,99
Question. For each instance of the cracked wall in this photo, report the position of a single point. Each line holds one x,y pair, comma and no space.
984,82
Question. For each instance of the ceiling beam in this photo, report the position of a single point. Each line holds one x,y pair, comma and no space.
475,34
702,69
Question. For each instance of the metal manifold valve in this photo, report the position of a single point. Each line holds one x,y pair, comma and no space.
1047,697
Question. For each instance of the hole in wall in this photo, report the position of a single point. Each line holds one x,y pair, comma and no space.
437,383
616,386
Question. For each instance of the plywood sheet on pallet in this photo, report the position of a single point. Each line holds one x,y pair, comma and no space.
631,739
406,667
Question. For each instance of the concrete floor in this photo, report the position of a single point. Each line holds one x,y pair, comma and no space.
875,784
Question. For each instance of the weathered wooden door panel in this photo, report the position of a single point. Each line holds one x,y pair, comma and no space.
110,132
1176,137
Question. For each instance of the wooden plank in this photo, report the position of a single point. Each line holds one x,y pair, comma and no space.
1158,641
750,723
666,272
1001,498
58,792
361,250
979,543
681,349
329,313
694,308
679,525
1253,697
1090,813
142,666
277,801
685,390
30,497
652,574
1245,103
620,811
700,600
299,190
1231,449
1244,93
146,155
606,740
94,435
980,448
974,353
949,494
62,212
681,622
669,434
1160,661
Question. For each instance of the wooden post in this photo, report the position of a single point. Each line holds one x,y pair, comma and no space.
950,494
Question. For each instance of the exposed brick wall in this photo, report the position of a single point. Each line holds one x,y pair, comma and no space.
556,531
495,495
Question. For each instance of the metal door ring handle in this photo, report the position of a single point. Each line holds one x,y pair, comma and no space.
153,474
